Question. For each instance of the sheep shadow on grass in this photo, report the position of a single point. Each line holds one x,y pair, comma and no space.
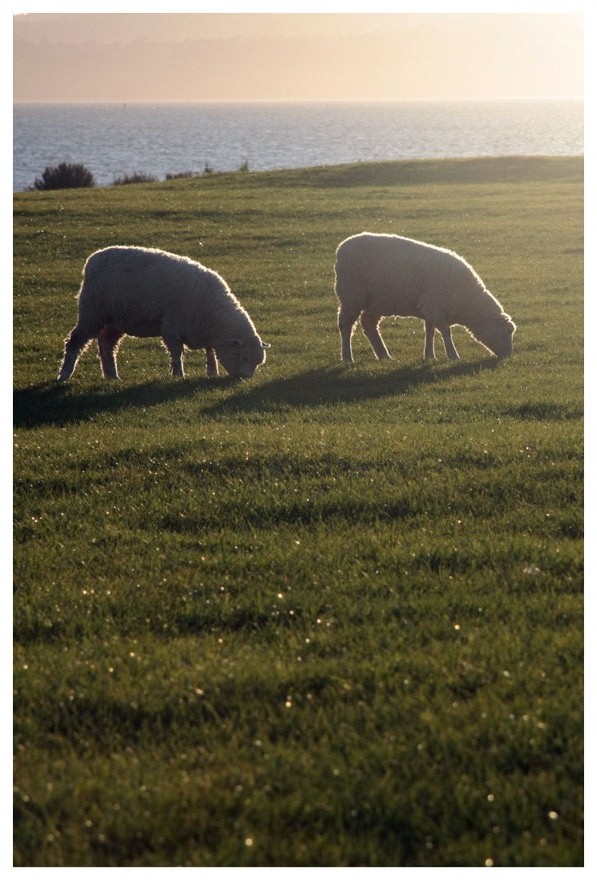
61,405
341,384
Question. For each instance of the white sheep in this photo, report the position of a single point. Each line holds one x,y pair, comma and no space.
145,292
381,275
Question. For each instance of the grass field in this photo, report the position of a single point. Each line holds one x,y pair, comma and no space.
331,616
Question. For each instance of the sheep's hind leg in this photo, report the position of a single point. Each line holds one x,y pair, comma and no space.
370,325
174,347
74,345
107,344
211,362
346,323
429,340
448,342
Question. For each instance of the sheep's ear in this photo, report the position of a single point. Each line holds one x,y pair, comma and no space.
266,345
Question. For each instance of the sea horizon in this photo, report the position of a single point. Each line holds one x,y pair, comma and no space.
469,100
114,139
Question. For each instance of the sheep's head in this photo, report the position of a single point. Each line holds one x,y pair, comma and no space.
241,357
498,336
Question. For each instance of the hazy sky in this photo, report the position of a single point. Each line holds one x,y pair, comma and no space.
286,57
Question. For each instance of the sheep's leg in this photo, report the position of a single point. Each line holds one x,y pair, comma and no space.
346,323
74,345
430,340
370,325
211,362
448,342
107,344
174,347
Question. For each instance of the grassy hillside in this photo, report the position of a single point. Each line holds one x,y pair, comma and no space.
331,616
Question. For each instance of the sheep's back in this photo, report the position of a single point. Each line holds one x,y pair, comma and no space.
389,274
147,283
394,275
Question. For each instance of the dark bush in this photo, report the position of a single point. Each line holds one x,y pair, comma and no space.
64,177
136,178
173,176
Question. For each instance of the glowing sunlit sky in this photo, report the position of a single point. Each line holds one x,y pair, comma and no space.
296,57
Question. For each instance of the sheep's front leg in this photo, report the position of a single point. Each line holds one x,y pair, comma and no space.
174,347
429,340
448,342
370,325
107,344
346,323
211,362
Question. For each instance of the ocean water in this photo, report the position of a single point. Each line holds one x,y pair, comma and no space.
113,140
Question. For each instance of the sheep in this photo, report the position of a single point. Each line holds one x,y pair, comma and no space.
381,275
146,292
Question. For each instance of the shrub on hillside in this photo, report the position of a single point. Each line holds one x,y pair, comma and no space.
173,176
64,177
136,178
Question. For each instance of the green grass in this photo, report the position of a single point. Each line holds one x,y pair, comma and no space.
328,617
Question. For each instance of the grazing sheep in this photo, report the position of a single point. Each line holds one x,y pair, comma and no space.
145,292
379,275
